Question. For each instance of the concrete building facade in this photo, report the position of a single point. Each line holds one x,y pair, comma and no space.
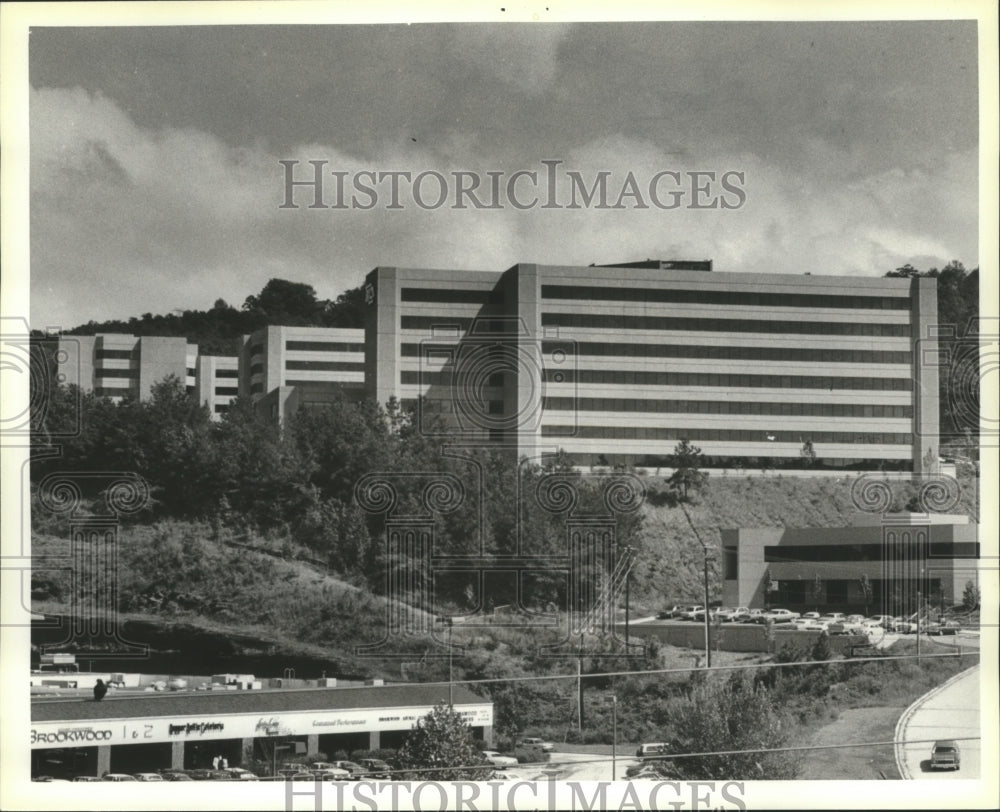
118,365
318,361
216,382
616,364
908,560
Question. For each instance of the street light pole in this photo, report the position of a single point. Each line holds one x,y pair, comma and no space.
628,582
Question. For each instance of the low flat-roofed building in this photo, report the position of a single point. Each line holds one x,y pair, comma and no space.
145,733
910,560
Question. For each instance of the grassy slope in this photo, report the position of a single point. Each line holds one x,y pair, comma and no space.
220,587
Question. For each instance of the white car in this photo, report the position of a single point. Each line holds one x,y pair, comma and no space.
780,615
148,777
497,760
694,611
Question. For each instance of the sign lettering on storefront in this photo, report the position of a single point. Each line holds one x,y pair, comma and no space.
194,727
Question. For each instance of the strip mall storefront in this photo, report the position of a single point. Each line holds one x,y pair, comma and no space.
145,734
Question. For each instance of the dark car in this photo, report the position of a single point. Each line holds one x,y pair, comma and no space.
376,768
356,770
945,755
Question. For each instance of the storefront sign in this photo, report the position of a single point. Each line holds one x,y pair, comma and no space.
241,726
201,728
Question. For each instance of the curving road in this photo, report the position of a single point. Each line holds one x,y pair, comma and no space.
950,711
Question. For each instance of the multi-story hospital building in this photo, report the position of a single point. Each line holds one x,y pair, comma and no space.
615,364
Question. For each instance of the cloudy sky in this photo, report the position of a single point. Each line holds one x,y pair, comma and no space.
156,183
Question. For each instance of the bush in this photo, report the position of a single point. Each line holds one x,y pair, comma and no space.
530,755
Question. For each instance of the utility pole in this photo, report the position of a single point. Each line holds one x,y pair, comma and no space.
704,548
708,622
614,736
451,673
628,582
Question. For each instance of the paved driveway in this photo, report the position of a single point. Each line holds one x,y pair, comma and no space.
950,711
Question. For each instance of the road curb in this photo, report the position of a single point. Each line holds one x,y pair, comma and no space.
904,720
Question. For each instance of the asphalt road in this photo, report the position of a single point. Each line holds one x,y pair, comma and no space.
950,711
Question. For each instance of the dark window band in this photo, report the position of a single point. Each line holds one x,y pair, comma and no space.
446,296
727,353
324,346
116,373
724,297
729,380
740,435
598,320
121,355
725,407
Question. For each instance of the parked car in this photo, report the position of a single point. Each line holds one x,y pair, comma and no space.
948,627
355,770
651,750
117,777
86,778
239,774
691,611
177,684
885,621
177,776
755,616
376,768
300,777
148,776
496,759
669,612
737,615
945,754
811,615
332,774
541,744
780,615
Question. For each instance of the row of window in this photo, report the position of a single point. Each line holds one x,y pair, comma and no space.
747,463
726,353
724,297
227,373
726,407
116,373
741,435
120,355
483,325
446,378
728,380
448,296
227,390
325,366
882,551
338,384
722,325
324,346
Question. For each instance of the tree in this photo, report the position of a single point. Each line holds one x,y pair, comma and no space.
284,302
808,453
441,747
726,715
866,591
770,587
821,651
687,475
971,596
816,591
